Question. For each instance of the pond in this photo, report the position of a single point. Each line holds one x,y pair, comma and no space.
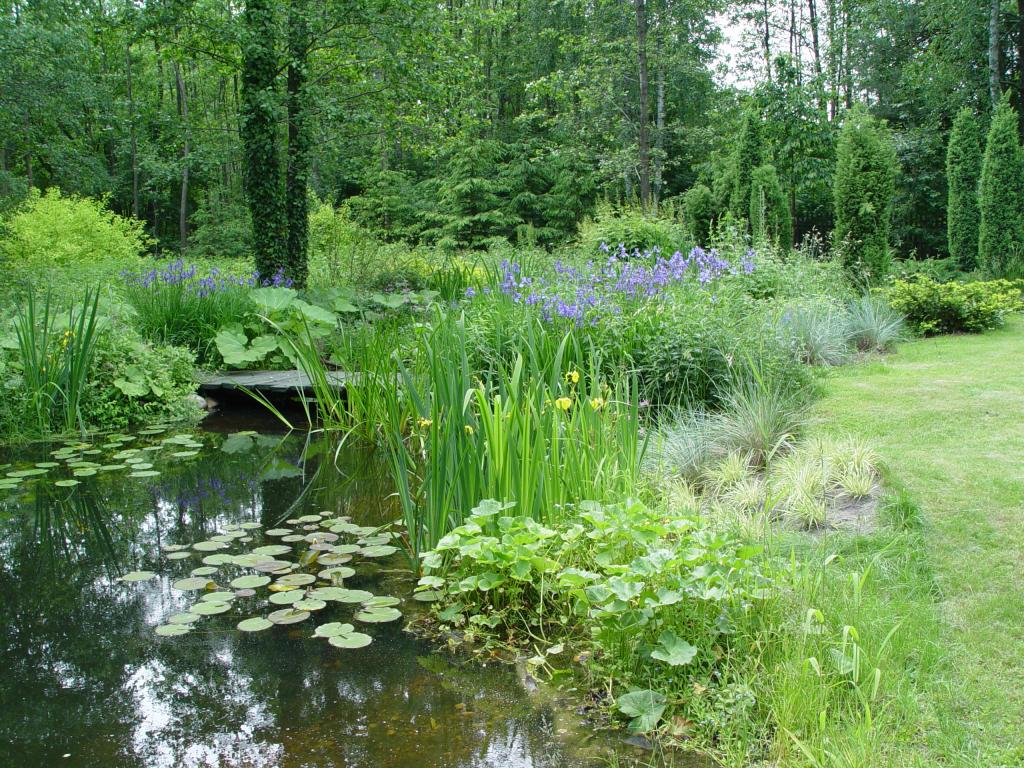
85,679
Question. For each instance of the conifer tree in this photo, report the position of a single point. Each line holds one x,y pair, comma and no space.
769,209
749,155
963,173
699,206
863,191
1000,234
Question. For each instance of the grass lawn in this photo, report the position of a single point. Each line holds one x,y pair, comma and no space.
947,415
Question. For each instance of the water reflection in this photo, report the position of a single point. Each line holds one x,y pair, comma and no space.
84,676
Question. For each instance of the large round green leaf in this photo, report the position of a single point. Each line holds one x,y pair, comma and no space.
138,576
288,616
192,583
296,579
207,608
286,598
255,624
173,630
250,582
378,615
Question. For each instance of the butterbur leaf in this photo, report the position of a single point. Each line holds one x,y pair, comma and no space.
673,650
645,707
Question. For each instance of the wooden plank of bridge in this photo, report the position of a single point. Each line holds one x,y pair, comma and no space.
266,382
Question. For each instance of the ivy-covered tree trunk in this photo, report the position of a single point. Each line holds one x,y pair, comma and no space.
297,177
259,138
963,172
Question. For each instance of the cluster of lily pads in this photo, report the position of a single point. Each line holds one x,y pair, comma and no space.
84,459
295,589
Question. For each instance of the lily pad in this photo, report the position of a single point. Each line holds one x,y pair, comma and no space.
138,576
66,483
206,570
296,579
351,640
207,608
311,518
183,618
287,598
192,583
174,547
218,559
291,538
184,454
173,630
272,550
341,595
427,596
206,546
379,550
288,616
245,592
46,464
218,597
279,531
309,604
382,601
339,572
334,558
378,615
145,473
178,555
251,525
255,624
250,582
87,472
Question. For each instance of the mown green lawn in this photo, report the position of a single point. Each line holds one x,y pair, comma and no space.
947,415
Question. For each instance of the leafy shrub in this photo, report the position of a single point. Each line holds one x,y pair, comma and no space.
939,270
873,324
221,229
796,275
633,229
652,597
932,308
51,234
134,382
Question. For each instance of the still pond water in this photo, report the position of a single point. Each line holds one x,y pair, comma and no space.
85,681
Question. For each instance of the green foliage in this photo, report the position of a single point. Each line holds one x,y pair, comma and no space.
963,174
1001,232
769,209
222,229
55,357
939,270
931,308
817,332
53,237
134,382
258,119
863,194
634,229
388,206
652,599
749,155
699,205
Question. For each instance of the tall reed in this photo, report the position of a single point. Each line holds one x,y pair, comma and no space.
55,359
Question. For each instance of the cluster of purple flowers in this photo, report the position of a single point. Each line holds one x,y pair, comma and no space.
178,274
585,295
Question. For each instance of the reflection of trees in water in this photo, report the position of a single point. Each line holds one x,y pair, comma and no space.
83,672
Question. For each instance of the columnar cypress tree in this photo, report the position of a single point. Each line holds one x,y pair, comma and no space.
699,204
749,155
963,172
769,208
863,190
1000,235
259,139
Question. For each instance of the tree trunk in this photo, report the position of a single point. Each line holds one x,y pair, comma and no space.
297,174
993,52
659,137
1020,68
847,54
179,83
643,140
812,13
132,138
766,38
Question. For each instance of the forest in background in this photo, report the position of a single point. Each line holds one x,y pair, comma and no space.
464,122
